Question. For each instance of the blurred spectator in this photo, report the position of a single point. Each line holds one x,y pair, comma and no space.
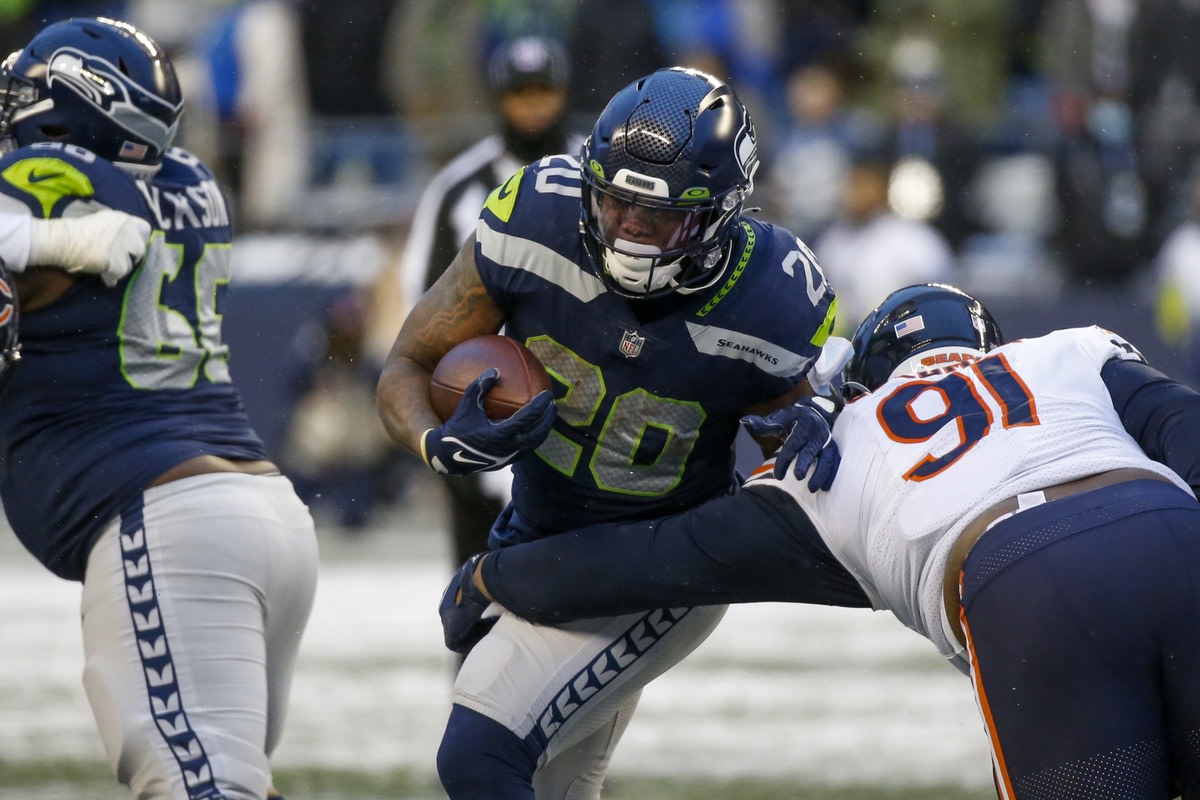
870,251
1164,94
344,43
247,113
813,152
358,142
433,68
528,78
437,63
737,40
818,30
1084,52
936,158
971,41
1104,232
1178,282
502,20
612,42
337,452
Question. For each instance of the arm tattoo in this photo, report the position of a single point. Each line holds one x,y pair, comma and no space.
457,307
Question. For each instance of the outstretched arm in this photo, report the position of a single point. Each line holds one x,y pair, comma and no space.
752,546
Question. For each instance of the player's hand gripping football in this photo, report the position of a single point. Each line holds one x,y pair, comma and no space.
470,442
462,608
806,427
107,243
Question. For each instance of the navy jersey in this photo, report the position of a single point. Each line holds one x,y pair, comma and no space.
650,392
116,386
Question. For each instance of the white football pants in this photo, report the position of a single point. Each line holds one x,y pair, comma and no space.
575,686
193,607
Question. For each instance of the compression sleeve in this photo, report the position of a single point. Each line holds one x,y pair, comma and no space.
752,546
1161,413
14,241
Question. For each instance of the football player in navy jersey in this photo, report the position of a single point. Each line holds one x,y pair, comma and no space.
127,461
663,314
1028,507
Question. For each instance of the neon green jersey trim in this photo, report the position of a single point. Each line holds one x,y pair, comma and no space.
48,180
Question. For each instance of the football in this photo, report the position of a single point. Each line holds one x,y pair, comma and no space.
521,375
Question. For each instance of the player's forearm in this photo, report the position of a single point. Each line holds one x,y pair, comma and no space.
402,400
457,308
14,241
755,546
1162,414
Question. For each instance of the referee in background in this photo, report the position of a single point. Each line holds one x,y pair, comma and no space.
528,79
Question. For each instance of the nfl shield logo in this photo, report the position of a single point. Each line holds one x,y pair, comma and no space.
631,344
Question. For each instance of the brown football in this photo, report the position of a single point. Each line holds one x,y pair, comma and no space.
521,375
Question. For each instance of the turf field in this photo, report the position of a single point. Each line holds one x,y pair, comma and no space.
781,702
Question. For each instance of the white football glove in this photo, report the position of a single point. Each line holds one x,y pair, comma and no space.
107,243
835,355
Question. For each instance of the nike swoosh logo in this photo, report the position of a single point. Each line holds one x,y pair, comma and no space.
38,177
463,459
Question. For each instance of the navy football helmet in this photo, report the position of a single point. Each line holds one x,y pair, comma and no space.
918,329
666,171
98,83
10,345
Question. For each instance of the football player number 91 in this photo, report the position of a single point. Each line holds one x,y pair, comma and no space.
962,400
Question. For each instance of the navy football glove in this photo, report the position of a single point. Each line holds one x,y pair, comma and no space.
806,428
470,442
462,608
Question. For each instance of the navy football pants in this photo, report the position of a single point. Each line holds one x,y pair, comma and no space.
1083,621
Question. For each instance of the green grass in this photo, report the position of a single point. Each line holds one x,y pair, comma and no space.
71,780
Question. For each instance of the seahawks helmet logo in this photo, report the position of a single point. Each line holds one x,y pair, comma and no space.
101,84
746,150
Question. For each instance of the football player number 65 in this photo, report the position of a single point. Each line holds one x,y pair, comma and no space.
169,348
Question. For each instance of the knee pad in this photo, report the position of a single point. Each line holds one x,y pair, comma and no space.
480,759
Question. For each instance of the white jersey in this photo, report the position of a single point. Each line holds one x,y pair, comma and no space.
923,456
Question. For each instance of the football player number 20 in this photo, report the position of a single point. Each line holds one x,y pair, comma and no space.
637,422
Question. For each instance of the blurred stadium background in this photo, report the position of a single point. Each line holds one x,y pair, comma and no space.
325,119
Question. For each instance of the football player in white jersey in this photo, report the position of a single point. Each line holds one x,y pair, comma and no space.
1012,503
127,462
